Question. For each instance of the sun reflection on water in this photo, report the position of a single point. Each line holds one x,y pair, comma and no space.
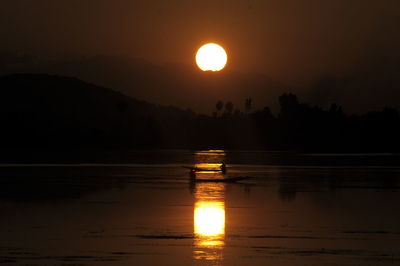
209,221
209,214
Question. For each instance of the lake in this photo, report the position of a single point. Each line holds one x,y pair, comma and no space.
142,208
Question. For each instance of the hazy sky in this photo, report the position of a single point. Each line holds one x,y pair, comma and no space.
291,40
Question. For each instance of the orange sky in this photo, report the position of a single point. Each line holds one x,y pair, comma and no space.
291,40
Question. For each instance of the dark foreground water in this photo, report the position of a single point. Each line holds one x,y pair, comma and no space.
141,208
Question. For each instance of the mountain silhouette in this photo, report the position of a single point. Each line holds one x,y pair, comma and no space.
50,111
170,84
46,111
368,87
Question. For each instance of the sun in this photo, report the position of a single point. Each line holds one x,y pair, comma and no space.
211,57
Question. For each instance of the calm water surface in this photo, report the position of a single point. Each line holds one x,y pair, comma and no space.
142,208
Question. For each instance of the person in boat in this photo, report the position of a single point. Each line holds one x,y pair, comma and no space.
192,174
223,168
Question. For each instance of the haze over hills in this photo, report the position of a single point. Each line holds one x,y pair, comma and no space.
173,84
370,87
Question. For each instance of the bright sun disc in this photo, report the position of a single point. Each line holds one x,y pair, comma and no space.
211,57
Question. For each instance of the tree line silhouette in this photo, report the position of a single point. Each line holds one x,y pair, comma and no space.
302,127
42,111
